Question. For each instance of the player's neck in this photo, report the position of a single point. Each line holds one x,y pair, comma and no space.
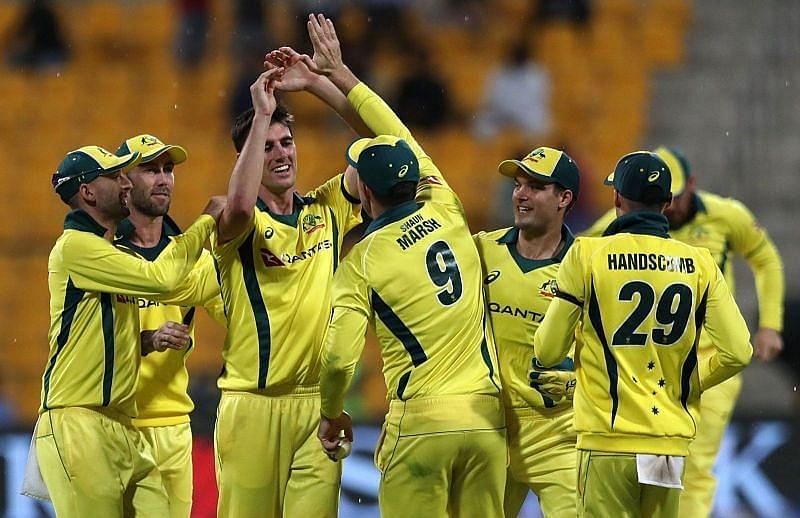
532,245
278,203
108,223
148,229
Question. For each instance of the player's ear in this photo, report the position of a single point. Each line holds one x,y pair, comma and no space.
87,194
566,199
617,200
666,203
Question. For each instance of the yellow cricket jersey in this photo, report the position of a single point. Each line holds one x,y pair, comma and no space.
724,226
276,286
94,312
640,302
518,292
417,275
161,395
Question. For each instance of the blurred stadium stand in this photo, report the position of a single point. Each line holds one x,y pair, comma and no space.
122,79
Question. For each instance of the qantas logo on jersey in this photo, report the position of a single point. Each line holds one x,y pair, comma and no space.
270,259
513,311
548,289
137,301
427,181
286,259
127,299
312,222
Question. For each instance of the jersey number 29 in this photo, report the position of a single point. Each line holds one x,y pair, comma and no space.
673,310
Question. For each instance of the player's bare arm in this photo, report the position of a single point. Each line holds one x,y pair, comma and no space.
299,77
246,176
327,61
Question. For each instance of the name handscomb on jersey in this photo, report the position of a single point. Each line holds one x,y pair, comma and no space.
655,262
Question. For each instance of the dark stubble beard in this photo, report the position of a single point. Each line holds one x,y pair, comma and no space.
144,204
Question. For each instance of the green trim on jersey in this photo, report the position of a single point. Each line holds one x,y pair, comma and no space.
611,363
107,311
690,364
126,229
72,297
81,220
335,229
258,306
640,222
511,237
396,213
298,202
399,330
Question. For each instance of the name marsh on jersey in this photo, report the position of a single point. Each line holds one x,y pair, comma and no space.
414,229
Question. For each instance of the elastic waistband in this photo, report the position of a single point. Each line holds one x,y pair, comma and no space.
155,422
282,391
446,414
110,413
628,443
527,412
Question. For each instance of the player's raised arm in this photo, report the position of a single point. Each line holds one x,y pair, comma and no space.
298,76
369,106
246,176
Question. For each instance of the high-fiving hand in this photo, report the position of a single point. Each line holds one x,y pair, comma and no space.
262,91
327,52
297,75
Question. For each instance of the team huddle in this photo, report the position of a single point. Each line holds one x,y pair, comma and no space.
598,371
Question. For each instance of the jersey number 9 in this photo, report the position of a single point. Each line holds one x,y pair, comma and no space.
444,273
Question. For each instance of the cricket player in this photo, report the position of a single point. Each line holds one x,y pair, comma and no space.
639,301
519,267
276,252
94,462
161,396
724,227
416,274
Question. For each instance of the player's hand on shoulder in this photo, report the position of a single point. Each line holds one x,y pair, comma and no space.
215,206
554,383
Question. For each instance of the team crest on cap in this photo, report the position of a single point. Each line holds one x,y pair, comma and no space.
149,140
312,222
536,155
